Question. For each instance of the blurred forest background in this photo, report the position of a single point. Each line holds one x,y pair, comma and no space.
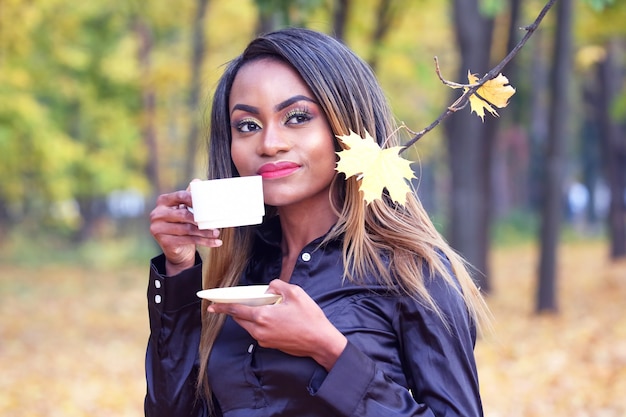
103,106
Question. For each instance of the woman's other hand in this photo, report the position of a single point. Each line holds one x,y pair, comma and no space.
296,325
173,227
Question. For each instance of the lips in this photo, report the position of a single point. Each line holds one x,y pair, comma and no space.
277,169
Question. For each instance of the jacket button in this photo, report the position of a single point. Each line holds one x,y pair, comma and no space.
157,299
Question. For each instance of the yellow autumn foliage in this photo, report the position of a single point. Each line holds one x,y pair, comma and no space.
495,92
377,169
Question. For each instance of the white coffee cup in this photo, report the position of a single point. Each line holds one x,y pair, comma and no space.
228,202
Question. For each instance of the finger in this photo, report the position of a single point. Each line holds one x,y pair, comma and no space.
171,214
232,309
171,230
193,180
171,243
251,318
174,199
278,286
175,224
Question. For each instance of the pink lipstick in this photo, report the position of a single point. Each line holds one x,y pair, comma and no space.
277,169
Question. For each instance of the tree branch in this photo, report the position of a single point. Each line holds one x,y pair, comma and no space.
462,101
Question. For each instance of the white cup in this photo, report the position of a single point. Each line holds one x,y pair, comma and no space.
228,202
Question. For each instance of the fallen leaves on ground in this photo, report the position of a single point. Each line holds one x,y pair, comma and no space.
72,340
572,363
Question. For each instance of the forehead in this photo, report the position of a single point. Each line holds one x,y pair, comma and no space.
267,76
265,64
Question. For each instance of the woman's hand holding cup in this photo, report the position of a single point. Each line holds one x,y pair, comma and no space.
176,232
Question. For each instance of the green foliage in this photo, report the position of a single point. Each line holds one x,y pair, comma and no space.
618,110
70,99
68,105
599,5
515,228
406,67
600,20
598,25
492,8
115,248
287,12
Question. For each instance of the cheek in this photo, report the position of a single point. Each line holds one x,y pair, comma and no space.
326,154
237,155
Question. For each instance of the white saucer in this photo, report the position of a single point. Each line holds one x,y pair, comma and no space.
252,295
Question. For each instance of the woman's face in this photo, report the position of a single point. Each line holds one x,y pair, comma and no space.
280,132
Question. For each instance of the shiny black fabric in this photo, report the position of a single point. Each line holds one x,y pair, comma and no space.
401,359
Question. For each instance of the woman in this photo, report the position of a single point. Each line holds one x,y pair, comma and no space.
378,313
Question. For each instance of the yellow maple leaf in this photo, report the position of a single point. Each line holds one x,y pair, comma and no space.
376,168
496,91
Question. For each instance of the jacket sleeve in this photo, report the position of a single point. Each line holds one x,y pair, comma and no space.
172,352
438,361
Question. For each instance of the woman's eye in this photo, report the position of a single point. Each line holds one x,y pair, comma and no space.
247,126
297,117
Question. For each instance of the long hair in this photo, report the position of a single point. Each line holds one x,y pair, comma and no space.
352,100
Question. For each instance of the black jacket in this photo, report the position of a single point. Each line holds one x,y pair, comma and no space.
400,360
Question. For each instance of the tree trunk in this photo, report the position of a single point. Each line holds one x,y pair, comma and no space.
590,152
469,151
555,159
386,12
5,218
340,19
272,15
148,100
92,210
195,87
614,147
538,130
492,125
514,35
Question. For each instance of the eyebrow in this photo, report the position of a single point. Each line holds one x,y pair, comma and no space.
280,106
290,101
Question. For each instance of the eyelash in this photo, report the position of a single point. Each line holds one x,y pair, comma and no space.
302,113
240,124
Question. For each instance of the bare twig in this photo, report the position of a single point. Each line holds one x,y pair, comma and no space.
449,83
462,101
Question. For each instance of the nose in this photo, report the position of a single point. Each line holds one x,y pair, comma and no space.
273,141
